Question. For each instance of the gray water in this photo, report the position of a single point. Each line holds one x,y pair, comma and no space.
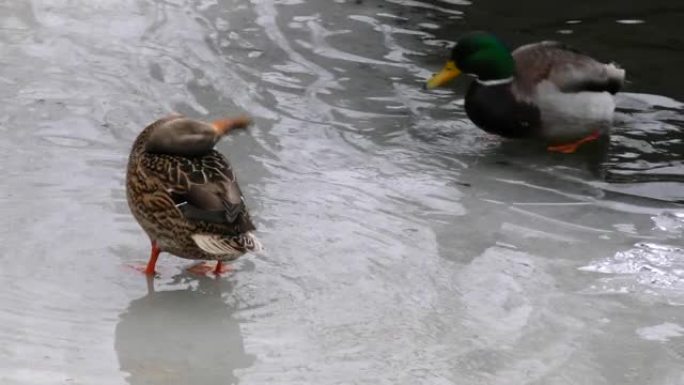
404,246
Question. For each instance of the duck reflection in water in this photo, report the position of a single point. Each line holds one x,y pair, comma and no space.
186,336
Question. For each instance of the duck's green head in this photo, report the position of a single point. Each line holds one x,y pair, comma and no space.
479,54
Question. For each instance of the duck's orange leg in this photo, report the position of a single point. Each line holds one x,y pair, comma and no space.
149,268
154,254
569,148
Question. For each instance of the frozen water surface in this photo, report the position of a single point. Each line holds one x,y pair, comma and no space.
404,246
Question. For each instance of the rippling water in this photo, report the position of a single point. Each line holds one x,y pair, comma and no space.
404,246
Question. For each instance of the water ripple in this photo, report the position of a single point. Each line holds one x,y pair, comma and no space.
404,245
672,222
648,268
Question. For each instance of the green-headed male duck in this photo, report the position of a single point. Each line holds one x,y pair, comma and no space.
545,90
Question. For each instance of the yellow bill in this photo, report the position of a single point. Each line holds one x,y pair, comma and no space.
447,74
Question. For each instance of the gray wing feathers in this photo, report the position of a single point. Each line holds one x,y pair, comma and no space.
568,69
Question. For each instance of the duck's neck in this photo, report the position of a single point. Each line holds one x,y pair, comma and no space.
144,136
141,140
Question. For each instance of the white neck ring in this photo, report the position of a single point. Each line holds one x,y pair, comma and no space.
495,82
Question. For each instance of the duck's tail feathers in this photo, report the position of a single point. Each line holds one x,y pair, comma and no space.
616,77
233,245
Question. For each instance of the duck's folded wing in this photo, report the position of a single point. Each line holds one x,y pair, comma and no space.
204,189
567,68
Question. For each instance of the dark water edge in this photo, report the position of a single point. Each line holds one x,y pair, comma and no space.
645,155
644,37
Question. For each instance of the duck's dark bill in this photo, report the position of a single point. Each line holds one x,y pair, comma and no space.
447,74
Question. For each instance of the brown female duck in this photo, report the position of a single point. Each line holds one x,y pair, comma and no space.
184,194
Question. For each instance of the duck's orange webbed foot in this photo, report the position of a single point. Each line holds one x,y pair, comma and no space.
141,268
149,268
569,148
204,268
222,268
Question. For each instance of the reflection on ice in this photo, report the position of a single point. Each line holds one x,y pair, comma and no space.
183,336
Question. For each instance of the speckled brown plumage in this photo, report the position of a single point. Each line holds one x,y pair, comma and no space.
190,205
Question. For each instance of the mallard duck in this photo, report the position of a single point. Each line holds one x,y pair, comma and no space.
184,194
544,90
